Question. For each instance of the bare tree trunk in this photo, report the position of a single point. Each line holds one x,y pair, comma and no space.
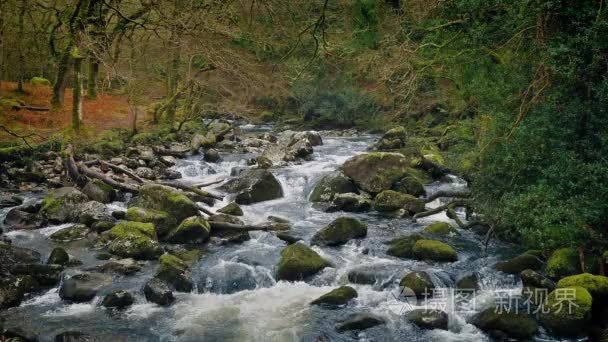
77,96
21,63
93,71
61,80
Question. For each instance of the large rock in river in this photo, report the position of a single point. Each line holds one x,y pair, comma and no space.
134,240
389,200
83,287
340,231
61,205
254,185
167,199
336,297
163,222
330,185
515,325
298,262
377,171
434,250
567,317
292,146
194,229
174,272
428,319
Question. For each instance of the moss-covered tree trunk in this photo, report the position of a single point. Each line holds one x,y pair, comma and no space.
77,97
93,71
57,101
21,64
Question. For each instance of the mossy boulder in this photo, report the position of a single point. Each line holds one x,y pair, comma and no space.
99,191
519,263
390,200
299,262
61,205
428,319
340,231
420,282
226,219
73,233
340,296
434,250
134,240
597,285
175,272
515,325
193,229
253,186
403,247
377,171
410,185
440,229
40,81
567,317
231,209
163,222
204,141
350,202
330,185
394,138
563,262
164,198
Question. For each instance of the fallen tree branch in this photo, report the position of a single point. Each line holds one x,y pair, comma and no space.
173,153
115,168
448,193
202,185
72,169
453,204
224,226
111,182
195,190
451,213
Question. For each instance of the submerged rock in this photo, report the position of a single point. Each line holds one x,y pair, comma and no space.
514,325
389,200
230,277
340,231
58,256
74,336
254,185
360,322
298,262
330,185
375,172
118,299
428,319
468,281
134,240
158,292
419,282
434,250
340,296
83,287
193,229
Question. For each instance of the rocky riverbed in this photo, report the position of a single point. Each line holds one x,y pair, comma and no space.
245,234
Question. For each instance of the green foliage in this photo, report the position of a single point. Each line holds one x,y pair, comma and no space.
334,103
365,20
541,96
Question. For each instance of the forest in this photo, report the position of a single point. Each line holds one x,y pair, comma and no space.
264,170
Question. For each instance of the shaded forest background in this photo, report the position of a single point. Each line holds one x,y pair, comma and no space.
512,95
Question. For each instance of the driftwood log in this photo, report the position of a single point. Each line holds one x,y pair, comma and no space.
453,204
448,193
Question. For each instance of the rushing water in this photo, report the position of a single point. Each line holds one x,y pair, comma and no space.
236,296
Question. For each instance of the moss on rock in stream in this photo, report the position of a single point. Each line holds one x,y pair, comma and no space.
567,317
134,240
389,200
419,282
440,229
403,247
163,222
336,297
434,250
340,231
563,262
164,198
193,229
519,263
597,285
298,262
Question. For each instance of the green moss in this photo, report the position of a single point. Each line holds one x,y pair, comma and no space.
73,233
563,262
232,209
565,319
419,282
434,250
597,285
169,200
403,247
298,262
8,103
145,138
40,81
126,228
390,200
51,205
339,296
440,228
266,116
190,256
516,325
193,229
340,231
168,261
163,223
